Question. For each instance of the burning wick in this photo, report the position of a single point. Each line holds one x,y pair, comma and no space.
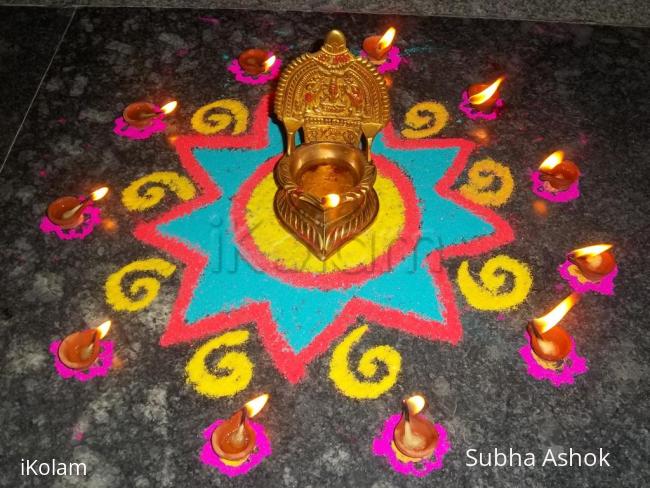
483,96
558,172
331,200
256,61
80,349
66,212
140,114
85,201
548,340
415,436
377,47
234,440
594,262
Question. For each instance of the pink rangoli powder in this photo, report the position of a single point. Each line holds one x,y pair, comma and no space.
382,446
579,283
242,77
474,114
574,365
91,220
99,368
123,129
543,190
393,60
210,458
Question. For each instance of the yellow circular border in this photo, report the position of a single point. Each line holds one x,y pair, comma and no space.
282,248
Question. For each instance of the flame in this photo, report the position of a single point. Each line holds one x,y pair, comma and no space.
591,250
269,62
484,95
415,404
102,330
387,39
169,107
99,193
552,161
551,319
256,404
331,200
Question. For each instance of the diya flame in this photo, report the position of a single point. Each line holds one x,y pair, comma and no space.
552,161
547,322
270,61
169,107
387,39
487,93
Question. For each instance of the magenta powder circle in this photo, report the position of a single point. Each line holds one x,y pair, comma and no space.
382,446
474,114
605,286
573,366
393,60
210,458
123,129
91,220
542,190
99,368
241,76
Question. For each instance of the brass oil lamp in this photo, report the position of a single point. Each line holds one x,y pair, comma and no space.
325,193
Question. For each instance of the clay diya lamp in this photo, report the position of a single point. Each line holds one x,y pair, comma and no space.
483,96
80,350
377,47
234,440
254,62
415,436
549,341
594,262
558,172
141,114
67,212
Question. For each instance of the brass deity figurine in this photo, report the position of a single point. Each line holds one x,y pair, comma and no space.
325,191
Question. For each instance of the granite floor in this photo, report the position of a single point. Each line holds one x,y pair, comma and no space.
582,88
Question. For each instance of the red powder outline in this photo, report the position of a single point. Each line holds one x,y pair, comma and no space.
293,365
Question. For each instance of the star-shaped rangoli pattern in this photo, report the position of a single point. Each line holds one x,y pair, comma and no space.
222,289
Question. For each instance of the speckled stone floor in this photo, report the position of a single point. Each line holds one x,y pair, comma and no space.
579,87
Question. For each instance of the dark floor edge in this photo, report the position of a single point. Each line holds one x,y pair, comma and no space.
341,11
40,84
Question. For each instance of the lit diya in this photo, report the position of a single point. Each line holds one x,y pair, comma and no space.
594,262
415,436
141,114
483,96
559,173
377,47
256,61
67,212
80,350
234,440
549,341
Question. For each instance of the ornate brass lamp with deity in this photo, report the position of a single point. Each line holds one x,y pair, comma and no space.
325,191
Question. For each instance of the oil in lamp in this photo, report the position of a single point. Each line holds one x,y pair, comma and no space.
594,262
325,191
234,440
558,172
80,349
483,96
415,436
140,114
67,212
256,61
377,47
549,341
